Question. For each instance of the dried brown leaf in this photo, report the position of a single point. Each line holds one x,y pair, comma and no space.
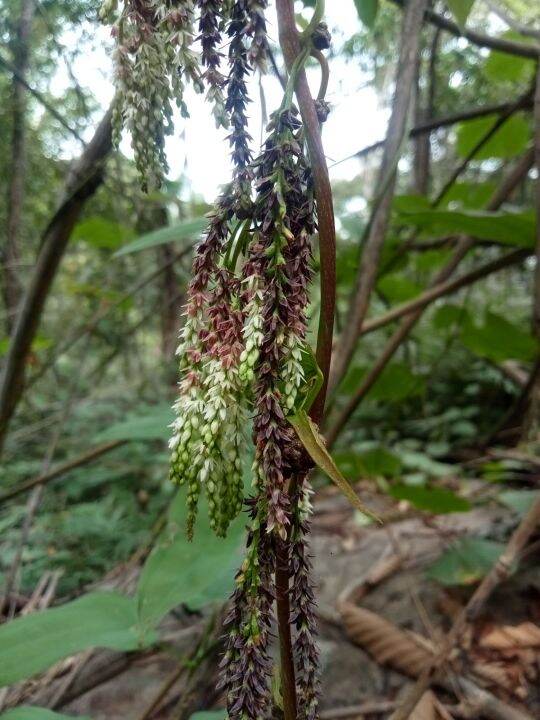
525,635
426,708
388,644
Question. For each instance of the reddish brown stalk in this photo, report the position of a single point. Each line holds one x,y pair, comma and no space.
289,39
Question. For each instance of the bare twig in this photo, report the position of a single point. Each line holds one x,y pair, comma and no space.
380,218
47,477
445,288
41,98
10,253
429,126
476,38
498,573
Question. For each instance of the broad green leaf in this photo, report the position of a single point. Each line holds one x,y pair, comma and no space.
466,562
396,288
411,203
188,229
367,11
31,644
498,339
509,228
460,9
500,67
471,195
313,442
30,712
152,424
313,379
509,140
193,573
101,233
519,500
430,260
435,500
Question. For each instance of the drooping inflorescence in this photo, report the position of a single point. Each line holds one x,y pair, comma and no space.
243,341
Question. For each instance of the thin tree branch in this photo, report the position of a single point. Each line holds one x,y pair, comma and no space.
12,289
498,573
445,288
84,179
512,22
429,126
500,195
41,98
62,469
476,38
380,218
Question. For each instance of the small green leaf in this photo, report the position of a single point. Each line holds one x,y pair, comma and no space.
367,11
447,316
313,442
466,562
460,9
379,461
507,142
435,500
28,712
30,644
396,383
181,231
313,379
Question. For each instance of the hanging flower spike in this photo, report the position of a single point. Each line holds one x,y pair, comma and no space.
246,665
303,604
208,432
210,37
153,60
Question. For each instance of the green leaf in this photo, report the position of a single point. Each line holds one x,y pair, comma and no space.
471,195
375,462
194,573
367,11
379,461
509,140
396,288
466,562
313,442
30,644
519,500
411,203
152,424
101,233
509,228
181,231
435,500
448,316
497,339
313,379
396,383
209,715
27,712
460,9
502,67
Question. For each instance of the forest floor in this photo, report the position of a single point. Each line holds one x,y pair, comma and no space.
365,658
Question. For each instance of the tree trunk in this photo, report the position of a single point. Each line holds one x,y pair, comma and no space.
84,178
10,257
